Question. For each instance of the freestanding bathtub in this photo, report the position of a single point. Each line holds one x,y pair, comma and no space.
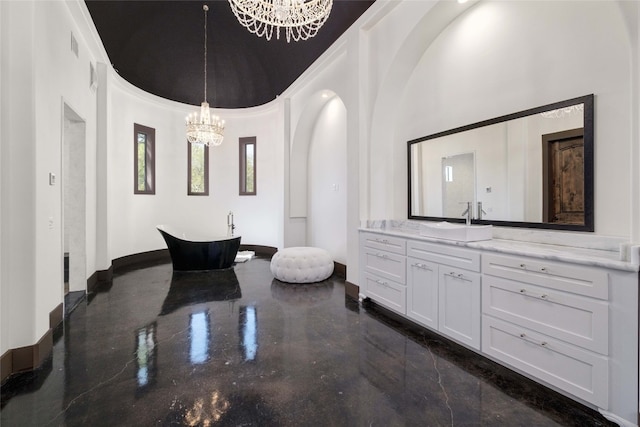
199,254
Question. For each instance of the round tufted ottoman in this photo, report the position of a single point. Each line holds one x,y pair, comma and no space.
301,265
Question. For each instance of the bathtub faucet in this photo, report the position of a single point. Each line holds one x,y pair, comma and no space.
230,225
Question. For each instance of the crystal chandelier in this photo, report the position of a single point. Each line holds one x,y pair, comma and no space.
205,128
300,19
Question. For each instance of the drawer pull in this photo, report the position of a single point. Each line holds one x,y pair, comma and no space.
541,343
459,275
542,297
383,241
381,283
422,266
383,256
523,266
543,269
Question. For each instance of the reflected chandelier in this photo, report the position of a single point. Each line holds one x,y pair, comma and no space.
561,112
205,128
300,19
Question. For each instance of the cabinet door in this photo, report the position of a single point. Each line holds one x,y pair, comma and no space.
459,305
422,292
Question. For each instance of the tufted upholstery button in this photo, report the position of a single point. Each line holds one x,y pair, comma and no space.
301,265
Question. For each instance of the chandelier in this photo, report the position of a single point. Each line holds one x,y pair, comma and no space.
300,19
205,128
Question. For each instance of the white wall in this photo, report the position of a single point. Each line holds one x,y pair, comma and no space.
327,186
39,73
503,57
135,216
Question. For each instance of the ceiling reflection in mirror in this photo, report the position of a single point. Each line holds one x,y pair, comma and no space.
528,169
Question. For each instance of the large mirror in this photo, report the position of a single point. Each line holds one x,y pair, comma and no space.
528,169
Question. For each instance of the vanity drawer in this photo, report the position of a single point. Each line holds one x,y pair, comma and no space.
444,254
578,279
571,318
385,264
392,244
386,292
580,372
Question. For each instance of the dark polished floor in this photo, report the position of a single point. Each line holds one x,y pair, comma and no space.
237,348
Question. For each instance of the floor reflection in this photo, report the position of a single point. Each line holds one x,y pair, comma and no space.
199,335
303,295
146,355
290,355
201,287
249,332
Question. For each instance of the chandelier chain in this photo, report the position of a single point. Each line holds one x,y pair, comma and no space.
206,9
204,127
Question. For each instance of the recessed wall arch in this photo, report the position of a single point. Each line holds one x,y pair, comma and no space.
318,174
299,158
389,96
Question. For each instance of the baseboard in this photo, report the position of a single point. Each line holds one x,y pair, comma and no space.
267,251
351,290
144,259
340,270
56,316
6,365
30,357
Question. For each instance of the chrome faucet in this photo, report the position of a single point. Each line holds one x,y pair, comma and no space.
230,225
480,210
468,212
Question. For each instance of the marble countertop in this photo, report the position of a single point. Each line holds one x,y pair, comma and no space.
577,255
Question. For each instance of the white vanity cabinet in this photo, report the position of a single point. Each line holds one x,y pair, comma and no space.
567,319
383,261
550,320
443,290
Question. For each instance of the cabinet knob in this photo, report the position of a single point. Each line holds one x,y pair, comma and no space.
543,269
522,291
523,266
543,296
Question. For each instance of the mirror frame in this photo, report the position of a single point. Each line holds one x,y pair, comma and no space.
588,124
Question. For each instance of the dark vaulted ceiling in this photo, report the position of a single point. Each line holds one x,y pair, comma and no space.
158,46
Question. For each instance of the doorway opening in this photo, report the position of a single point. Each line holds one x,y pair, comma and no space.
563,177
74,207
458,184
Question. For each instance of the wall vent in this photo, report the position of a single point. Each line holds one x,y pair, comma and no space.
74,45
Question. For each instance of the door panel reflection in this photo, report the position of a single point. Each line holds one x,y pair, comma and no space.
199,337
146,345
248,322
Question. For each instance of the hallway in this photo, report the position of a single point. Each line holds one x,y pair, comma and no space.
163,349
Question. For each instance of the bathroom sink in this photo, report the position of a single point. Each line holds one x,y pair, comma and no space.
458,232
